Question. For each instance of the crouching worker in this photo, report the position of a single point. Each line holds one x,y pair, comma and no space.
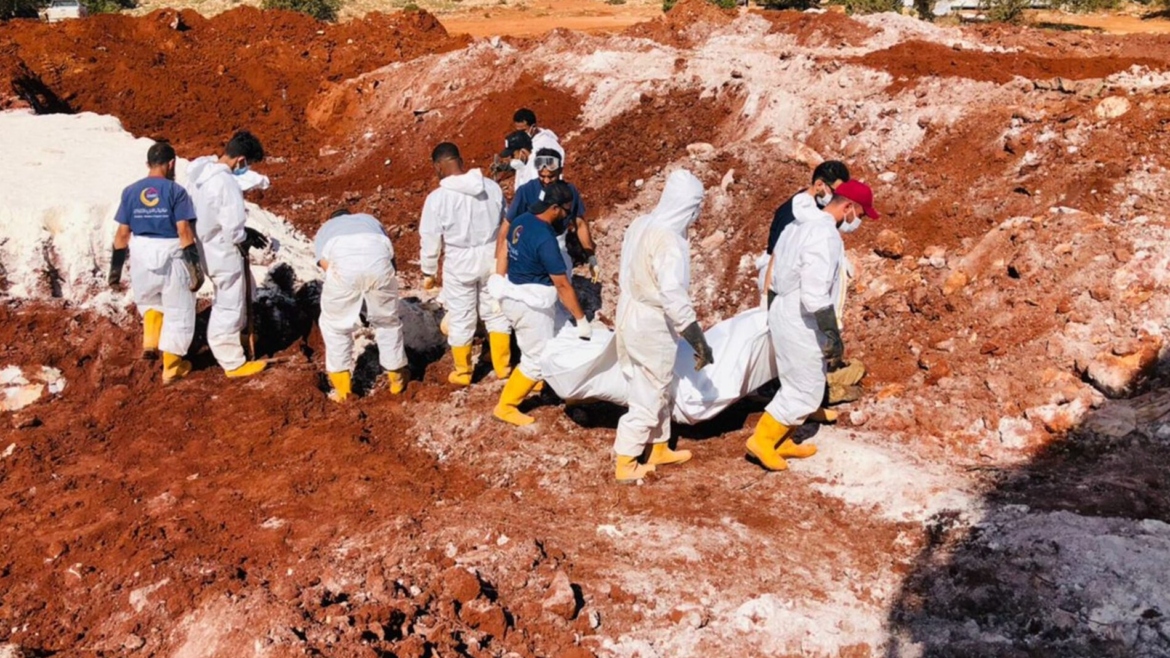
536,278
802,320
358,260
155,229
654,308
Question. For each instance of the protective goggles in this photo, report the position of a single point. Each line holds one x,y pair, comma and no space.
550,162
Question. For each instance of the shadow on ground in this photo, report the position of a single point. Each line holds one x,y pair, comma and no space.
1068,557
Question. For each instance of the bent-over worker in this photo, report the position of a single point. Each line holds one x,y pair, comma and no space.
537,278
358,259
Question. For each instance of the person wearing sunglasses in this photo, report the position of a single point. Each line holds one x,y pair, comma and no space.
550,166
536,280
802,320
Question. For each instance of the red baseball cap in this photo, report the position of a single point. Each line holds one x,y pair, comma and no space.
858,193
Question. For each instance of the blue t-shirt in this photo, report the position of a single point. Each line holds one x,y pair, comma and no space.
533,253
529,194
152,206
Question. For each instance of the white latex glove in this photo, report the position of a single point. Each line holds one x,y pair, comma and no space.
584,329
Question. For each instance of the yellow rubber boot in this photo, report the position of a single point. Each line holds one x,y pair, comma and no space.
152,322
501,346
398,379
248,369
175,367
769,433
629,471
792,450
662,454
823,415
515,390
462,374
342,385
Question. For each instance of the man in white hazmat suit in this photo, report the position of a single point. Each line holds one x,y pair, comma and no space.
463,215
155,230
224,241
537,278
358,259
802,319
654,308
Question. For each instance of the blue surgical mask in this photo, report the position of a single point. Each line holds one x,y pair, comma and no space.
241,170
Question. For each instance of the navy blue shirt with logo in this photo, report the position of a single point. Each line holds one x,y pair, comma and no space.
533,253
529,195
152,206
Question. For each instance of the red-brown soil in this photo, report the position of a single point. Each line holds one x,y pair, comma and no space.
910,61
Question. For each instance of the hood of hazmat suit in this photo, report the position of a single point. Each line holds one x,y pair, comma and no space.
653,308
656,257
463,215
545,139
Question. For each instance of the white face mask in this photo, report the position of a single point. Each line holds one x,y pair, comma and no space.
851,225
824,199
517,164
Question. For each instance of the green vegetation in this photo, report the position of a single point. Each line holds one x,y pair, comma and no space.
19,8
872,6
1004,11
322,10
722,4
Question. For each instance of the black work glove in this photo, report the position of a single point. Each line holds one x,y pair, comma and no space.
194,269
827,322
693,334
117,261
254,239
771,297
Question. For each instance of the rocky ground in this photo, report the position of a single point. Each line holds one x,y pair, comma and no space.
998,491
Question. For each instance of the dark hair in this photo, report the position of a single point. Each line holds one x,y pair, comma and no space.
831,170
445,151
160,153
244,143
557,193
552,153
339,212
524,115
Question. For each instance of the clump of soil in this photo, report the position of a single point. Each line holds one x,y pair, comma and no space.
911,60
830,29
687,23
195,80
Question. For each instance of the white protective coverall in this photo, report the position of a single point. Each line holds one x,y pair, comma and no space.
361,269
160,283
531,308
543,139
219,207
807,276
464,215
653,309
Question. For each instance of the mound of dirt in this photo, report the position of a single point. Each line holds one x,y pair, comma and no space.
195,80
910,61
831,28
687,23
